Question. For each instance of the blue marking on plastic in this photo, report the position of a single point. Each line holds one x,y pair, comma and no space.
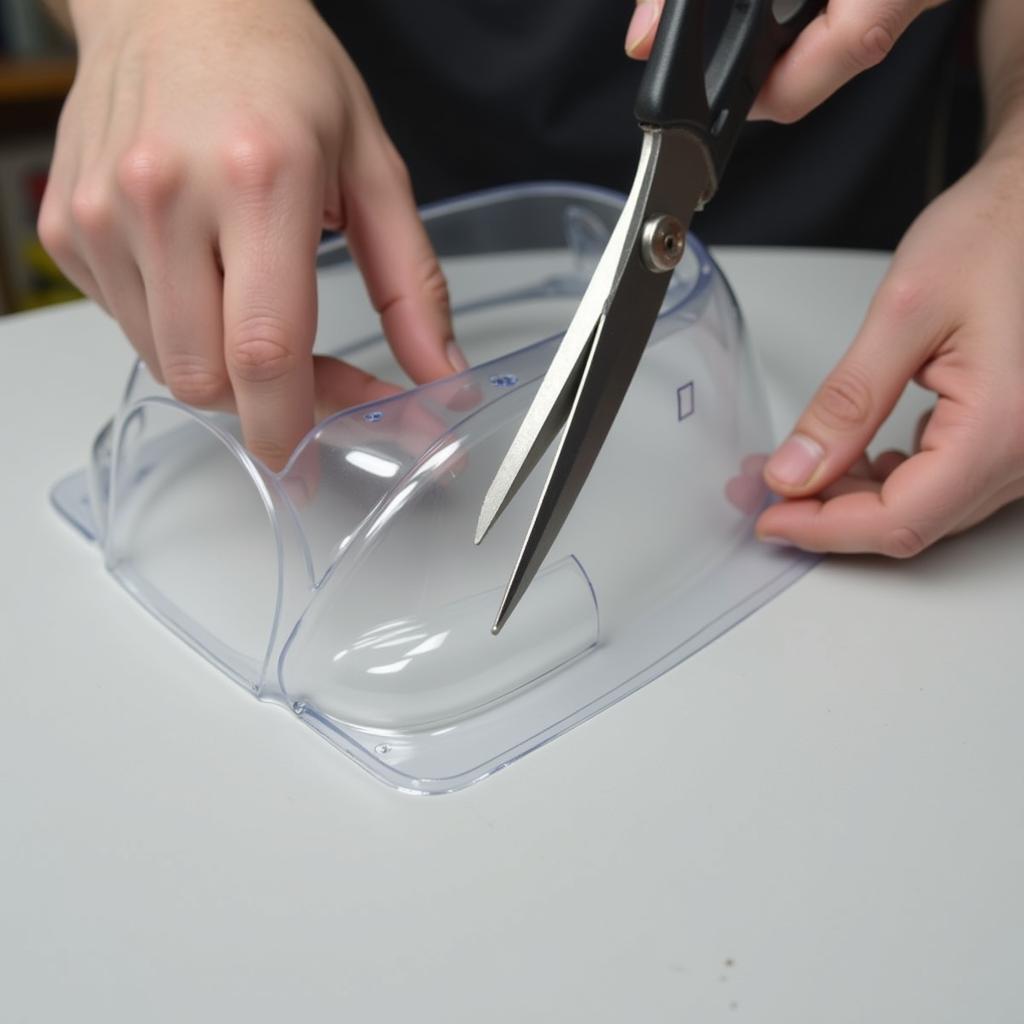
505,380
685,401
373,417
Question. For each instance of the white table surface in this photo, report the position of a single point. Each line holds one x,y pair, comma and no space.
818,818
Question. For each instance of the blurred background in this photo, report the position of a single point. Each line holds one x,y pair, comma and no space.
37,65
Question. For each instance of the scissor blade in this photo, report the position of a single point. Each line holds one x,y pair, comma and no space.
551,405
544,419
672,178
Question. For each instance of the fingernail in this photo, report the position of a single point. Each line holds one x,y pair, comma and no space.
795,461
640,25
458,361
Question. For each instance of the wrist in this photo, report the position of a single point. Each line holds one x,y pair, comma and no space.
91,17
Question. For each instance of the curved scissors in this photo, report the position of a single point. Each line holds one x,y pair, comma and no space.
691,112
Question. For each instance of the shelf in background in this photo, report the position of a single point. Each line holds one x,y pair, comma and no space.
29,80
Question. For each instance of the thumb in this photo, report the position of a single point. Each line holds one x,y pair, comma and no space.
642,28
855,398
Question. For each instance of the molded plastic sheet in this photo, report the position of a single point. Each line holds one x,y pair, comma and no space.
347,588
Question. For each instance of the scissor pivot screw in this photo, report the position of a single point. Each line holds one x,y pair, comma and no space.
662,243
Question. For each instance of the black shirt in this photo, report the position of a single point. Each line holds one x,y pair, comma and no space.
477,93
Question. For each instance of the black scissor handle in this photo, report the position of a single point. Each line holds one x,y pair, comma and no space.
711,98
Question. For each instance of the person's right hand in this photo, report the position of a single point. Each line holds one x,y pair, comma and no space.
203,147
848,37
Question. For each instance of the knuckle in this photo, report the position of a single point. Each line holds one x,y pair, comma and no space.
903,542
195,383
147,175
396,166
52,228
252,161
260,352
844,401
435,286
92,209
273,453
903,298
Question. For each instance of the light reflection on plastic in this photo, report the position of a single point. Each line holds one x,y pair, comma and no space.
398,502
388,635
371,463
430,644
394,506
439,458
382,670
382,637
397,642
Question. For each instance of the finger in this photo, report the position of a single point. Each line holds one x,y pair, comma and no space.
858,394
921,426
922,500
412,425
186,298
849,37
339,386
76,271
979,512
745,492
403,277
268,243
103,247
887,463
55,226
852,483
174,248
54,230
124,295
643,26
861,469
849,484
753,465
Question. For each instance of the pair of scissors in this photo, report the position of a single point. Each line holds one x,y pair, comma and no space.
691,111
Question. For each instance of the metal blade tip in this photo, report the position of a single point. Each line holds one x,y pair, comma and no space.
508,606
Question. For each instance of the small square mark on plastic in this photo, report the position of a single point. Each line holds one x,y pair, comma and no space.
684,400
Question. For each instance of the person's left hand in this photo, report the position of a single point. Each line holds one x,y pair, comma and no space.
950,315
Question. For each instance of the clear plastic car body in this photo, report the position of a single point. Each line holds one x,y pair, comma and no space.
347,587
